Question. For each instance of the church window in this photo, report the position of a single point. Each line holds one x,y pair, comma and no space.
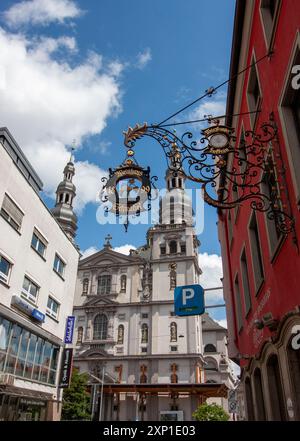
171,210
100,327
104,284
210,348
173,247
183,248
162,250
144,333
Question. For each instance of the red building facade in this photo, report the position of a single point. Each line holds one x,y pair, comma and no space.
261,266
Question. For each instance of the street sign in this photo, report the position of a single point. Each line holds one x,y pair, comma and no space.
69,329
66,367
189,300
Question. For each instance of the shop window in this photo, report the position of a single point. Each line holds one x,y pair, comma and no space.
259,396
275,389
12,213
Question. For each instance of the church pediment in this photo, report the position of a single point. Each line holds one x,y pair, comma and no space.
100,301
107,257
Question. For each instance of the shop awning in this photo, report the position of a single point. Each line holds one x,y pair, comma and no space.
25,393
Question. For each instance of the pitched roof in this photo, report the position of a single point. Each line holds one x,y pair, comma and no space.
208,324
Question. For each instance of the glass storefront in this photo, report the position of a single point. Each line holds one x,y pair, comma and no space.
24,354
14,408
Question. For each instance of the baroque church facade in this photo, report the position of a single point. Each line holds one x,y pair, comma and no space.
127,335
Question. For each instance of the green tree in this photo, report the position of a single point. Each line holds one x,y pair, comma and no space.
76,399
210,412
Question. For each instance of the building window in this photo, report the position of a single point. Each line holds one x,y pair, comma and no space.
173,348
123,282
38,243
253,93
52,308
171,210
120,335
172,313
100,327
256,253
30,289
59,265
245,279
5,269
173,247
85,287
162,250
269,13
173,331
210,348
183,248
144,315
144,338
238,304
27,355
80,334
144,350
12,213
104,285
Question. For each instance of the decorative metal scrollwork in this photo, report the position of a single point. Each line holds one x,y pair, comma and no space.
127,190
229,174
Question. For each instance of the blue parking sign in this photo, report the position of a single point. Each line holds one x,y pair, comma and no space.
189,300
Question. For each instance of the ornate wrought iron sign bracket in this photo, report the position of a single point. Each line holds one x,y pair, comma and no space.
230,173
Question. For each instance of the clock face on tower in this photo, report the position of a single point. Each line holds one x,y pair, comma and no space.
218,140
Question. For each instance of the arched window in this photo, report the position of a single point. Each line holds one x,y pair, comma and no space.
210,365
275,389
100,327
259,396
79,334
171,210
85,287
123,282
173,247
104,285
144,333
249,400
173,182
120,334
210,348
61,197
67,198
173,331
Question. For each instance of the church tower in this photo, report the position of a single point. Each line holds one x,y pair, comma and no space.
63,210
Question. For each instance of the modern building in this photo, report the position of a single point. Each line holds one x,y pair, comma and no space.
151,361
261,263
38,267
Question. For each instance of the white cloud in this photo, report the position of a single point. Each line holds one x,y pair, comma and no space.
88,252
222,322
143,58
46,103
41,12
212,106
212,272
124,249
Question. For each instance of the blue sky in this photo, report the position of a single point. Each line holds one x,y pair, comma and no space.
88,69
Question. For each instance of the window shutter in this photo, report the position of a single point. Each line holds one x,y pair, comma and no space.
12,210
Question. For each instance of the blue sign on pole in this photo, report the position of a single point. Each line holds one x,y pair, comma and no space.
69,329
189,300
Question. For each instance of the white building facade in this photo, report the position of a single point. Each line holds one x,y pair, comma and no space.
38,266
127,333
